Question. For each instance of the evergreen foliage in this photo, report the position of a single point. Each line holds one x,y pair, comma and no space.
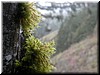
37,54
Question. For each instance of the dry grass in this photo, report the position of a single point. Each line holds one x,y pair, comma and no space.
80,57
50,36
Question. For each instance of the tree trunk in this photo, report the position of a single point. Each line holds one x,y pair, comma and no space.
10,36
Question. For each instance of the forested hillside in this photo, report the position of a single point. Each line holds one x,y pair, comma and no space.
76,28
81,57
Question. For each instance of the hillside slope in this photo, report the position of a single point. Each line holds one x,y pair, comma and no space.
80,57
76,28
50,36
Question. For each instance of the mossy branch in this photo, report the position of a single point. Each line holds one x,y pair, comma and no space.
37,55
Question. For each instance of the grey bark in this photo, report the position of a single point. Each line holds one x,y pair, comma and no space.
10,36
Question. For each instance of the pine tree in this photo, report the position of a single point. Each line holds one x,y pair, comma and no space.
37,54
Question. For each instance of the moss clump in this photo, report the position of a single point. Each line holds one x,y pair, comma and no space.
37,54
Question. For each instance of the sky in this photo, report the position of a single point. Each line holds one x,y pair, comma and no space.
55,0
61,1
44,3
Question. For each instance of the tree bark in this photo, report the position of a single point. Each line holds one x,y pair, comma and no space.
10,36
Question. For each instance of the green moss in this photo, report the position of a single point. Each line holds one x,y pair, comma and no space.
37,54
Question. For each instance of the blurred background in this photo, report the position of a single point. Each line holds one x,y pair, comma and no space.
73,26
